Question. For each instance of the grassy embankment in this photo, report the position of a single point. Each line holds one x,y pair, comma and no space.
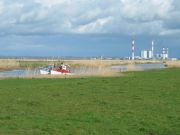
139,103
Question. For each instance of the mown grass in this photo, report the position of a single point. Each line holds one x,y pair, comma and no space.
139,103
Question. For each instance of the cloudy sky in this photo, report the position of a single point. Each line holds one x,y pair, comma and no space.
88,27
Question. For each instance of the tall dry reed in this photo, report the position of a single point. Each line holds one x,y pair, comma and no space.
8,64
173,63
105,63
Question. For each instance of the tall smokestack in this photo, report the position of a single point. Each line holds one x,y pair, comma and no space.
133,48
152,49
164,53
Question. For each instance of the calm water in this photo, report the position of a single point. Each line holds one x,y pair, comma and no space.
26,73
19,73
138,66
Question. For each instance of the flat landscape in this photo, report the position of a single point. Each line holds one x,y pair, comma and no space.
90,67
136,103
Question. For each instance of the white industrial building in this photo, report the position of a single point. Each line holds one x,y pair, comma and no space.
146,54
165,54
150,55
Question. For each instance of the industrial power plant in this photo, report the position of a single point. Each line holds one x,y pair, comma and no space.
150,54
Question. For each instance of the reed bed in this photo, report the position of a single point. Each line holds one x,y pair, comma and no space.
94,71
173,64
11,63
6,64
106,63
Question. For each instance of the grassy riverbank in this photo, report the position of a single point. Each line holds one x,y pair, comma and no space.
139,103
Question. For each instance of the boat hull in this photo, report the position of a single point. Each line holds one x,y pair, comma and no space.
44,72
60,72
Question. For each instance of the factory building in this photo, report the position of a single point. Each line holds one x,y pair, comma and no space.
146,54
165,54
149,54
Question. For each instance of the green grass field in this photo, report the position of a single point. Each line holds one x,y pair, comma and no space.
138,103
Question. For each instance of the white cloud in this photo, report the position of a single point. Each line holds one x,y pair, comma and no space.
50,3
1,7
88,16
146,10
95,27
33,16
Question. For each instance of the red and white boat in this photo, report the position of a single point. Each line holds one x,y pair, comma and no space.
60,72
52,70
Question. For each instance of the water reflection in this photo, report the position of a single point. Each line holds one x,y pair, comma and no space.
138,66
19,73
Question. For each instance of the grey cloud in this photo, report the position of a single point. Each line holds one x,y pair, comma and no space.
173,22
82,16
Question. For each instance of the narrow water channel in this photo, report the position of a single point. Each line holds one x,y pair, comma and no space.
27,73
